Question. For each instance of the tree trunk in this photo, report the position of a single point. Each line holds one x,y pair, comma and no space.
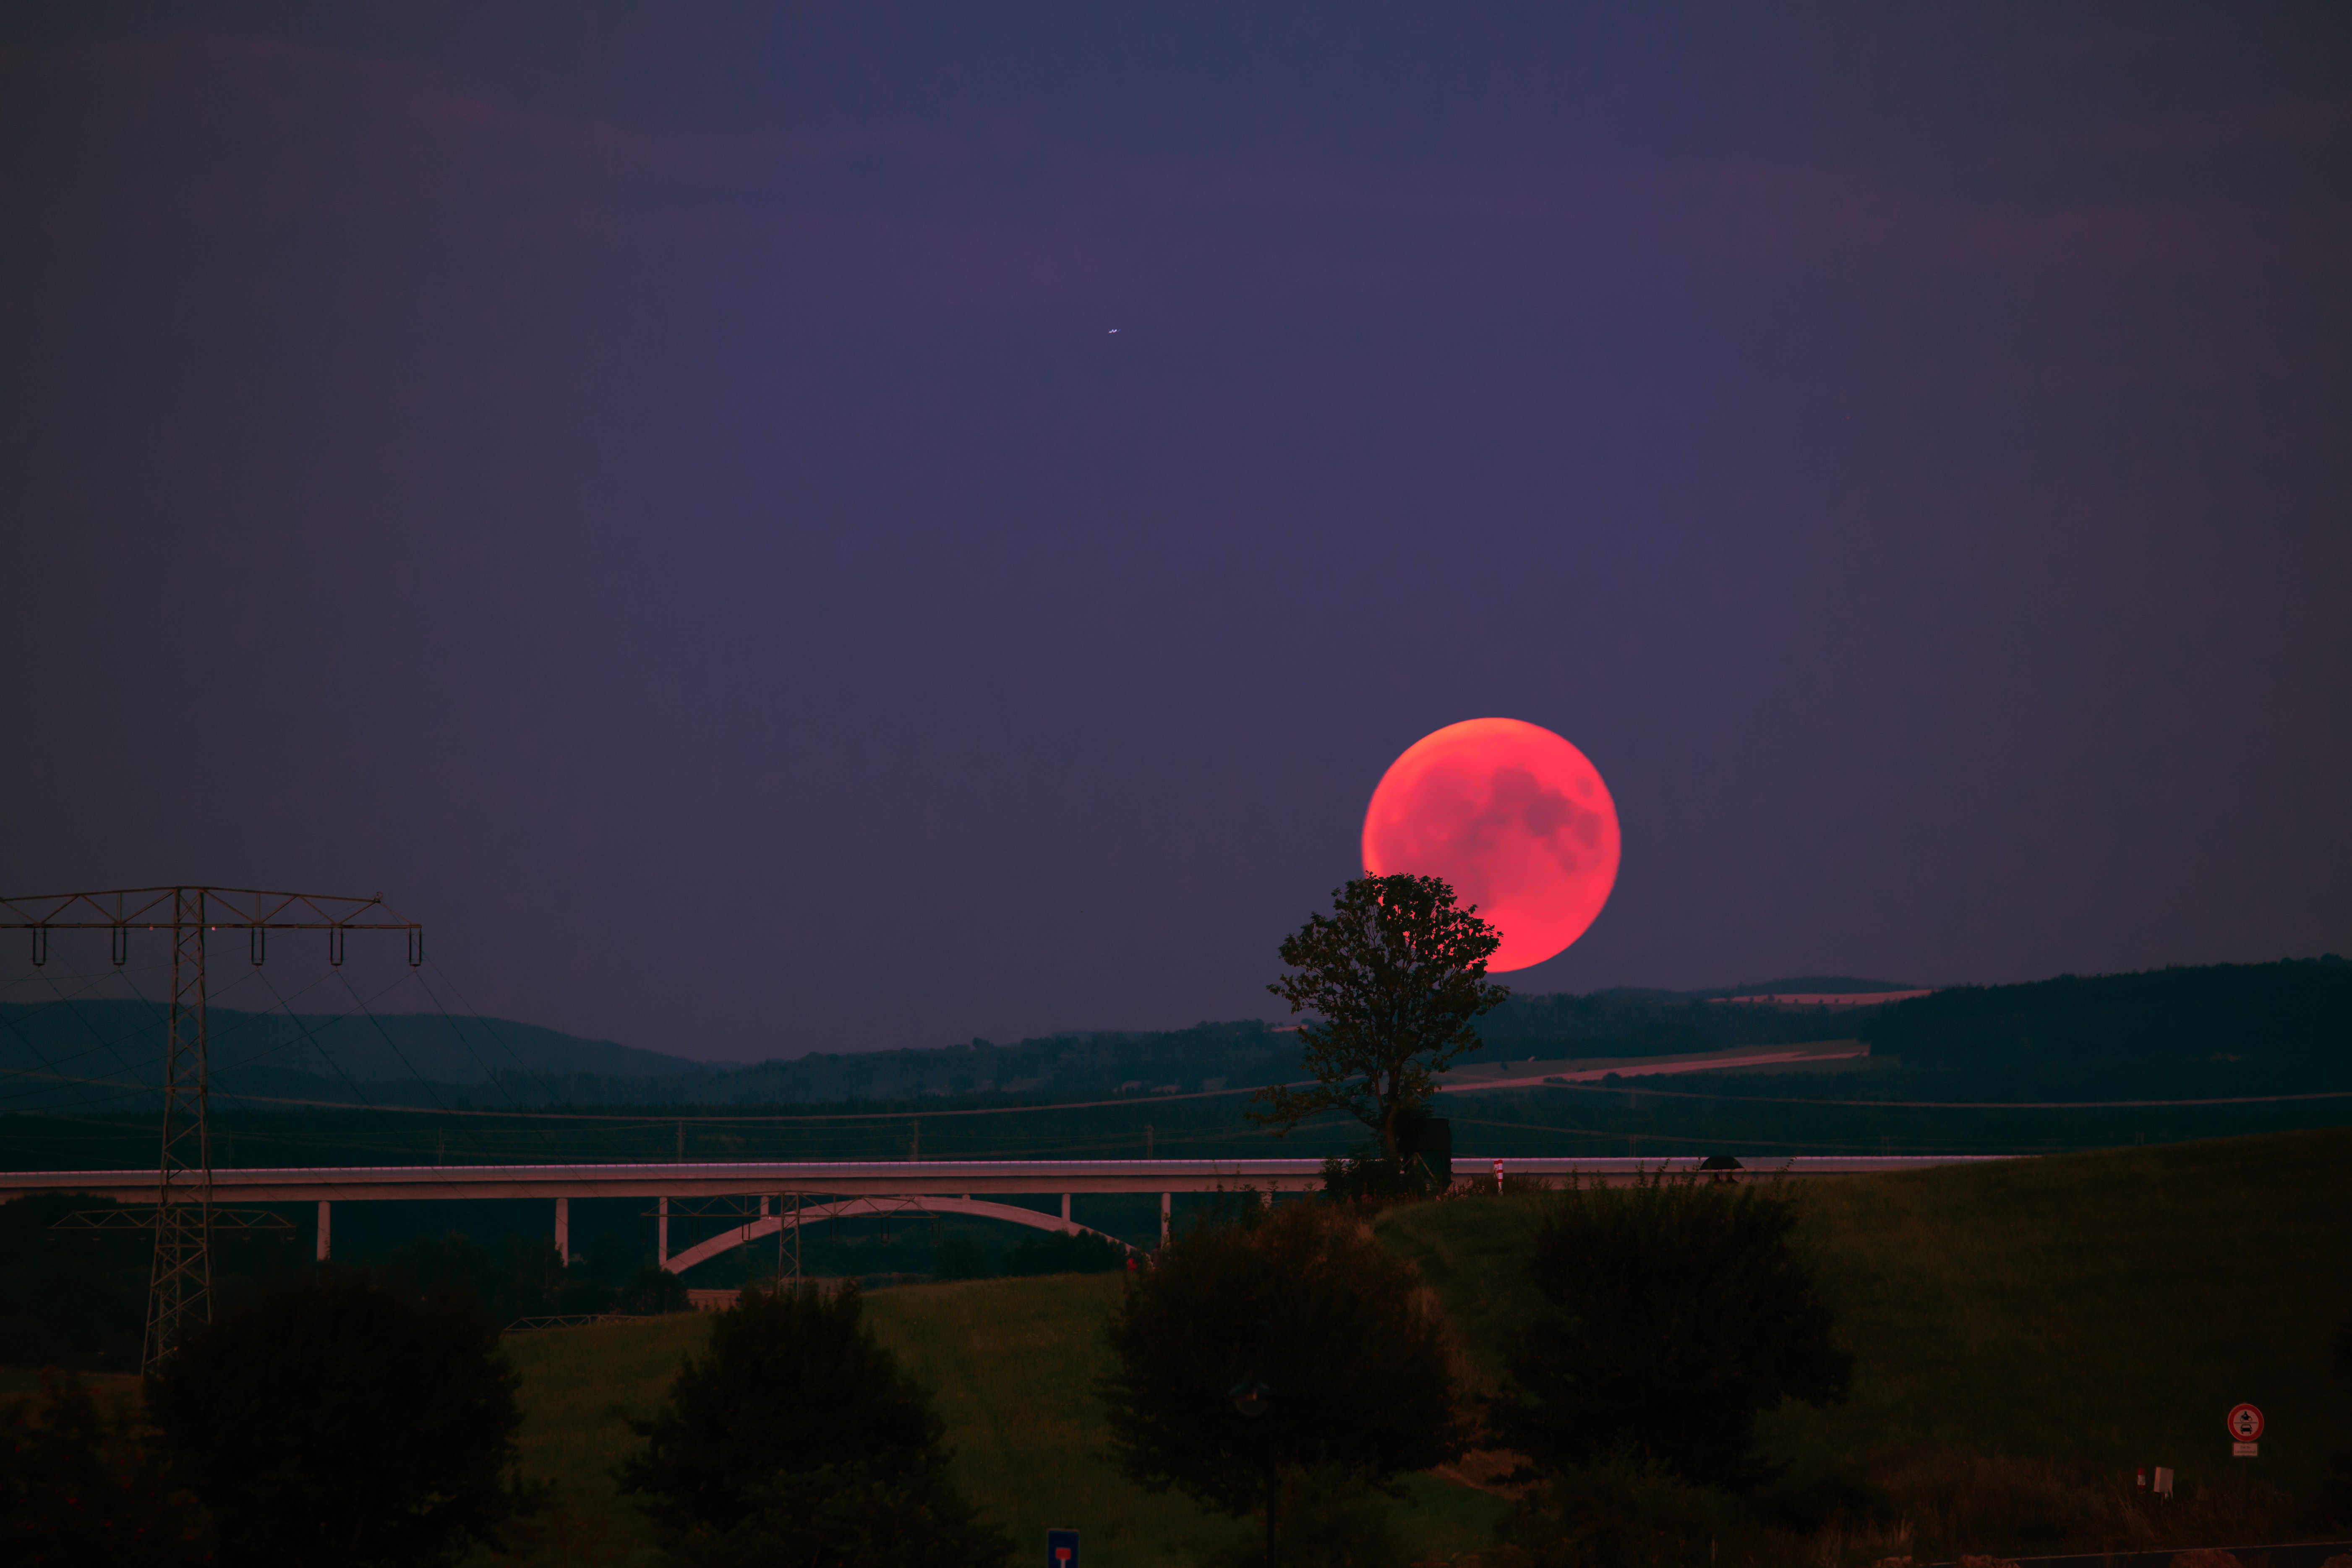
1269,1513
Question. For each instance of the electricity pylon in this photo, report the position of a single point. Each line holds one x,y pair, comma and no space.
180,1280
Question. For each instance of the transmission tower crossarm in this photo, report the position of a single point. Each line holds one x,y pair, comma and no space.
226,908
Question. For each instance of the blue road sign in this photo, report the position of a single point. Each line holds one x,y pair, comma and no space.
1061,1549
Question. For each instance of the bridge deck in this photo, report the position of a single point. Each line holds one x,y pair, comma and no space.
888,1177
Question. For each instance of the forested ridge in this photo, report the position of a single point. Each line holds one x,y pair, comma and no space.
2288,1015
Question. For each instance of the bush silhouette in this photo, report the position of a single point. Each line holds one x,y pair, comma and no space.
798,1414
337,1417
1681,1313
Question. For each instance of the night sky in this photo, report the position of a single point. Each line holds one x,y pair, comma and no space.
820,526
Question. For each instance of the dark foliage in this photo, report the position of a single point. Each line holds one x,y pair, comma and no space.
1681,1312
1058,1252
342,1417
69,1298
77,1489
1393,981
451,1262
654,1292
849,1516
1305,1301
1374,1179
793,1380
529,1280
960,1257
1622,1512
2339,1473
2298,1010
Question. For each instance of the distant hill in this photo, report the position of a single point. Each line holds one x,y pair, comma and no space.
123,1041
2296,1010
2097,1029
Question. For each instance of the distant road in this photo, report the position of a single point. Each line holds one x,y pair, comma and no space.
1534,1074
1822,999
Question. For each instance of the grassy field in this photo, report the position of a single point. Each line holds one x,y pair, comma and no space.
1012,1362
2107,1308
2102,1310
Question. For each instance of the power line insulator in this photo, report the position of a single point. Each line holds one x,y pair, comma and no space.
416,947
121,946
335,946
40,945
258,944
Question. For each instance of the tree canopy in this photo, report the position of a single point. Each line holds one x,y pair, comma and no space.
1392,980
1680,1312
1353,1360
798,1415
337,1417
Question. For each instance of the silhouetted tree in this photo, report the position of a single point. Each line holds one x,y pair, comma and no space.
78,1488
655,1290
1681,1313
339,1417
1393,978
1303,1310
794,1384
2339,1473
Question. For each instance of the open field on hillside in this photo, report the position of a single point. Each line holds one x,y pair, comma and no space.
2099,1312
1011,1361
2107,1308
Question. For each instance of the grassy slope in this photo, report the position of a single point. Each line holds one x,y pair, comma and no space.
1011,1361
2107,1307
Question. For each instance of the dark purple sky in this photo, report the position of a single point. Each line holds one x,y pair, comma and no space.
661,498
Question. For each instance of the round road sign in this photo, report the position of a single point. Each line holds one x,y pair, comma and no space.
2245,1423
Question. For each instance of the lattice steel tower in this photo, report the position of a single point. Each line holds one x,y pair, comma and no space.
180,1280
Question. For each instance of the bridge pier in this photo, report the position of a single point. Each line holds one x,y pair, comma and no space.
325,1224
1167,1201
563,1230
1065,1208
661,1236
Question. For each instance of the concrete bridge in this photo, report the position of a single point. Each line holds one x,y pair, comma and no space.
944,1186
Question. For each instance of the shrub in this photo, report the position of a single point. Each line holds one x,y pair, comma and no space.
794,1384
1681,1313
337,1417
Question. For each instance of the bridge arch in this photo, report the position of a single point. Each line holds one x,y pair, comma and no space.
726,1240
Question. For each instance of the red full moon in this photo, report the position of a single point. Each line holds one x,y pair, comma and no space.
1515,817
